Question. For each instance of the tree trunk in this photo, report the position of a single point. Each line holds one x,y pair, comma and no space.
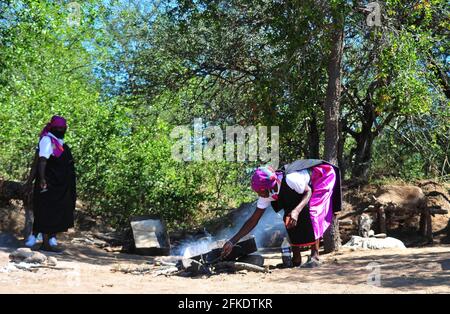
363,153
332,100
313,138
331,238
341,160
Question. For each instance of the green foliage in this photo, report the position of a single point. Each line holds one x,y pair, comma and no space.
129,73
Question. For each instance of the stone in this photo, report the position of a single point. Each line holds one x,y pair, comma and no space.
27,256
150,236
406,197
365,225
52,261
20,254
357,242
36,258
345,222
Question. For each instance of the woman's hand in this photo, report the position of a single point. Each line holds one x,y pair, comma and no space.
43,184
227,248
291,219
248,226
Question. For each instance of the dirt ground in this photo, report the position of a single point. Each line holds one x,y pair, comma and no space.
88,270
85,268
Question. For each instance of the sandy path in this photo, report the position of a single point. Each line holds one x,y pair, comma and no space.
414,270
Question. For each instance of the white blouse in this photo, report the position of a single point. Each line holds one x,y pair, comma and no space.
296,180
45,145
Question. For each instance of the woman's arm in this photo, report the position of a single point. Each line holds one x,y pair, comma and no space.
293,216
42,166
246,228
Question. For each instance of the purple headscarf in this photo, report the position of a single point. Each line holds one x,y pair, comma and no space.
55,122
264,178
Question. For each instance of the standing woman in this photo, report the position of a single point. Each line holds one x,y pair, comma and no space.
308,191
54,192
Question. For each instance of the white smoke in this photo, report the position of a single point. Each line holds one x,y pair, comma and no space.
271,224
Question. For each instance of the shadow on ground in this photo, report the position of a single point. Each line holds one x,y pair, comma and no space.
415,271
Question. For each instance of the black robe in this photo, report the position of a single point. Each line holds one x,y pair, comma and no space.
54,209
288,199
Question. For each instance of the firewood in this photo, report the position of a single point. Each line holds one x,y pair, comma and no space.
437,211
237,266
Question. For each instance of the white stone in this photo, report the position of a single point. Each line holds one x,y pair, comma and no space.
52,261
36,258
357,242
365,224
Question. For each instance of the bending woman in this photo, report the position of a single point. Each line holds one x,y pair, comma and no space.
308,191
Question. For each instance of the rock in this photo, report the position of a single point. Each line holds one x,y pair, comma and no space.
401,196
20,254
357,242
345,222
36,258
365,224
25,255
436,193
150,236
380,235
52,261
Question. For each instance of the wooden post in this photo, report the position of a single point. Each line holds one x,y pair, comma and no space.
423,223
429,228
381,220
